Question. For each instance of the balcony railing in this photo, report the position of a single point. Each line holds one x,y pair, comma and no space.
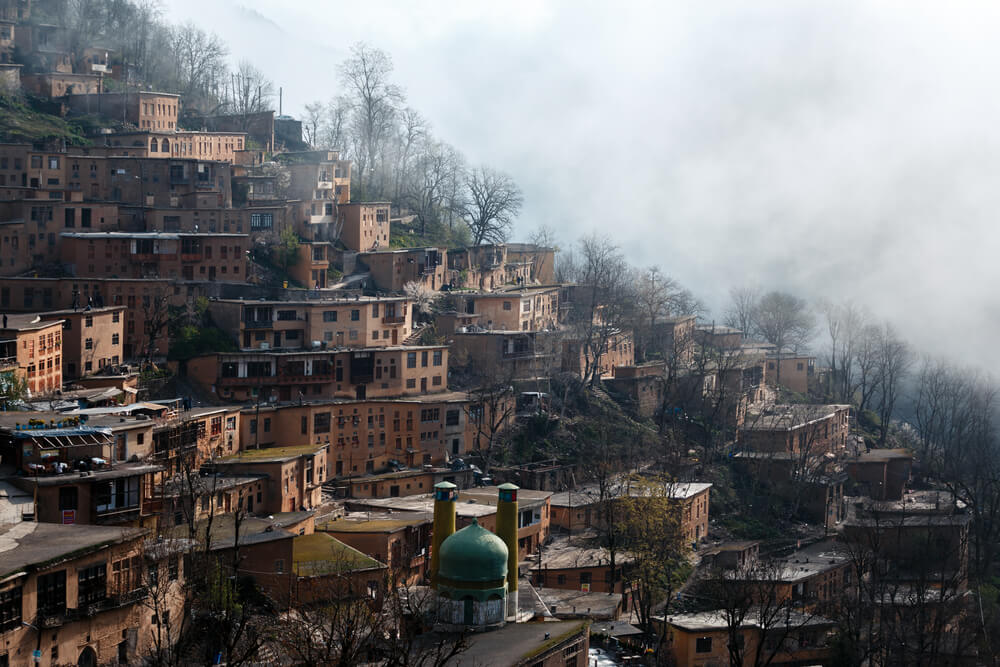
393,319
258,324
304,379
248,381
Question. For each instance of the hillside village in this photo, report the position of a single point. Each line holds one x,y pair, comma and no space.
256,411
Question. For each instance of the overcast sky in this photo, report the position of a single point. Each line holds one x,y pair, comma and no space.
831,149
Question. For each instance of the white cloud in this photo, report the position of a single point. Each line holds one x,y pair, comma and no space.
830,148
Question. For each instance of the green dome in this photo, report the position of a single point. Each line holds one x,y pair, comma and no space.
473,554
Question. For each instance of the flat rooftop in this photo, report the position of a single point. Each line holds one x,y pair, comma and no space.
28,543
271,454
420,503
589,494
320,554
366,522
343,301
27,322
148,235
789,417
567,602
517,643
565,552
814,559
253,529
443,397
716,620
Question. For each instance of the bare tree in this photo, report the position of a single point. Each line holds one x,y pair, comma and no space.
249,92
200,61
656,297
752,597
312,122
844,324
335,125
412,132
866,355
606,304
894,361
374,104
490,409
492,201
784,321
427,189
742,307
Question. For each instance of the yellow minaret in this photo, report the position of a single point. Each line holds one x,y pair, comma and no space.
445,496
507,531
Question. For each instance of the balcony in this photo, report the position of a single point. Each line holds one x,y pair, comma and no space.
394,319
244,381
258,324
324,185
303,379
320,219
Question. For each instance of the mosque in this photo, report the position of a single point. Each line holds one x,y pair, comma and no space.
474,571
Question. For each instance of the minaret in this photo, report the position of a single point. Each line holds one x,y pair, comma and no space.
507,531
445,496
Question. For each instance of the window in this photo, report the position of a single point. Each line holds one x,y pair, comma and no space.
506,305
52,593
437,357
216,425
279,565
10,609
261,220
173,566
89,344
436,380
88,321
127,574
115,338
117,495
430,415
93,584
355,315
411,359
451,418
321,422
305,424
68,498
703,645
411,383
329,316
267,427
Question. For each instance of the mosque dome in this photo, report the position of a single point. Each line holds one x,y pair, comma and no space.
473,554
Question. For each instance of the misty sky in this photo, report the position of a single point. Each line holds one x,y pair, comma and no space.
837,149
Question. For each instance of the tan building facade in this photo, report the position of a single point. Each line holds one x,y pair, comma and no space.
319,324
354,373
39,350
92,338
364,226
188,256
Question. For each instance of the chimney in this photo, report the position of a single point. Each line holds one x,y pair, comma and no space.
507,531
445,496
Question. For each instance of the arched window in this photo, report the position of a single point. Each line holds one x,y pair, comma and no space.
153,145
166,146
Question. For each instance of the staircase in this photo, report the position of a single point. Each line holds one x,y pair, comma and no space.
414,337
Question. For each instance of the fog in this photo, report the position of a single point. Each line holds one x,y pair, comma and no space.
832,149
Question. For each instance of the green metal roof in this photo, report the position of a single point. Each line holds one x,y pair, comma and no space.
473,554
